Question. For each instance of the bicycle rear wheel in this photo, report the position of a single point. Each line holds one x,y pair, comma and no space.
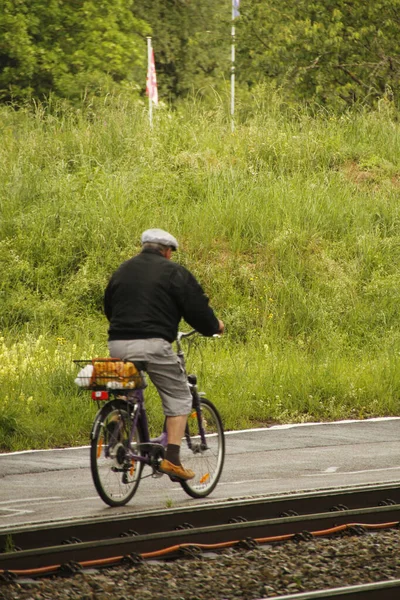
115,475
206,460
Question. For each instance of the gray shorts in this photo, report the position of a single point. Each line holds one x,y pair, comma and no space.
164,369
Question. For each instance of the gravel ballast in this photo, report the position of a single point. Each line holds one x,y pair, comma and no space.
263,572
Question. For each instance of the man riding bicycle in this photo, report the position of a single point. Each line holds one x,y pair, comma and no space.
144,302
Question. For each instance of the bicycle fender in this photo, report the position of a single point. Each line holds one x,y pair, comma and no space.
96,424
102,413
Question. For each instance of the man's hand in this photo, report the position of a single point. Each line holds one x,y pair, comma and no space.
221,326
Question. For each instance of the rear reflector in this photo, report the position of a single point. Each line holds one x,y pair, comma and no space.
99,395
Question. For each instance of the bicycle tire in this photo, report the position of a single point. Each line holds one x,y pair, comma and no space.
207,463
115,478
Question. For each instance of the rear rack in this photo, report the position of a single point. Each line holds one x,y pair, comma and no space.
109,374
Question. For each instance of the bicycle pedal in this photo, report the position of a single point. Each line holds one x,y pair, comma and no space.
156,474
174,479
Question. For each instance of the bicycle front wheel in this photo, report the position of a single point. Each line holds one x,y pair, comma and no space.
205,459
116,475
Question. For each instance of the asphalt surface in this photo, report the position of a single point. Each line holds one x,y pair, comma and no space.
49,485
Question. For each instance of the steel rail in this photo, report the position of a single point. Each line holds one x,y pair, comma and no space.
37,535
214,534
382,590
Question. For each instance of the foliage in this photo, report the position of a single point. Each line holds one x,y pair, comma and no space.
334,51
191,44
69,48
39,405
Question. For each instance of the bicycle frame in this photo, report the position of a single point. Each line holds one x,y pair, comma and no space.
137,400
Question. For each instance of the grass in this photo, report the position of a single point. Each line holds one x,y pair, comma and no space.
292,224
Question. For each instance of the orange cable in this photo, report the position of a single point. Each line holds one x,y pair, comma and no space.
177,547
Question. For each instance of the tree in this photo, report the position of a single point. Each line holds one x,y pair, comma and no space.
67,47
336,51
191,43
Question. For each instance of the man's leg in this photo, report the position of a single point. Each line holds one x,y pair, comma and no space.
168,375
172,463
175,430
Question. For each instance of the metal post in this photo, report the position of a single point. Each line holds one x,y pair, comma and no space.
149,82
235,13
233,75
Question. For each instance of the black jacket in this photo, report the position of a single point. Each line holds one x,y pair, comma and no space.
148,295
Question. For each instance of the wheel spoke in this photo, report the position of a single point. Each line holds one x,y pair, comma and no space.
206,461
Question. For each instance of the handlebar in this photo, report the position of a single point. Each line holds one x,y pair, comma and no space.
185,334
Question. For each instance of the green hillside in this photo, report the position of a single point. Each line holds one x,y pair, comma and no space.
292,224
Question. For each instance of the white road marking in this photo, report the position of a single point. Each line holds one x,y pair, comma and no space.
351,472
331,469
295,425
50,500
237,432
31,500
243,482
14,512
61,501
247,481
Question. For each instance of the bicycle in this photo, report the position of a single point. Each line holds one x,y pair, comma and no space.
121,445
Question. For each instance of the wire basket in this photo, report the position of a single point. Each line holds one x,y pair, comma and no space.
109,373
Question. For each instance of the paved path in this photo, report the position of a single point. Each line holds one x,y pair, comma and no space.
50,485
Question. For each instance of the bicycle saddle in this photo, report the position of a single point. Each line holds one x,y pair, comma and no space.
141,365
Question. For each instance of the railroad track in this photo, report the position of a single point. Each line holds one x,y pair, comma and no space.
173,531
385,590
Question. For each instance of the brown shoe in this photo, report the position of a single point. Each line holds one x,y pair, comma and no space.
175,471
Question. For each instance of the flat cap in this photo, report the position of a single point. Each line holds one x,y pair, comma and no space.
159,236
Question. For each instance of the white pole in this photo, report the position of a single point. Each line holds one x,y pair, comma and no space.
233,71
149,82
